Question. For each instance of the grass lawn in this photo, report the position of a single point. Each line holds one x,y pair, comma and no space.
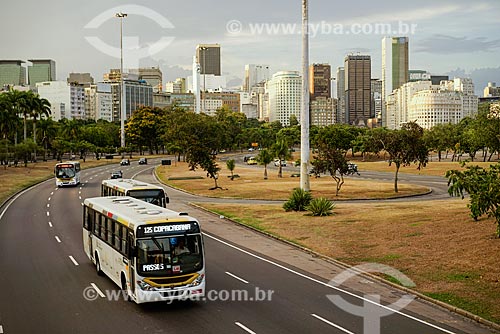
448,255
435,243
250,183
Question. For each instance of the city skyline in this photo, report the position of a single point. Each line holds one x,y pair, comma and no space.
449,37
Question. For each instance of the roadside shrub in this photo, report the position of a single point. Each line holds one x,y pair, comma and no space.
320,207
298,201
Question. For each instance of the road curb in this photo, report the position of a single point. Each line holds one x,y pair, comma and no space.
422,296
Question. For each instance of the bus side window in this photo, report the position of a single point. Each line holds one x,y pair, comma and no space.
96,225
124,233
116,235
109,231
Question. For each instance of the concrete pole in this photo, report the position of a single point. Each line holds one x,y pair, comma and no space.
122,92
304,117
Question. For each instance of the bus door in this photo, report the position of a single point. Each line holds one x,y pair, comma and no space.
130,261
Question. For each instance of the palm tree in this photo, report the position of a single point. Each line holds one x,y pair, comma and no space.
231,165
281,151
18,101
41,109
264,158
9,120
48,128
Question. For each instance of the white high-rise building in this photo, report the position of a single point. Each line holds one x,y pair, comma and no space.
67,100
99,102
285,96
255,74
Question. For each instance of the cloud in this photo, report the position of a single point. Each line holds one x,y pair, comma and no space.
444,44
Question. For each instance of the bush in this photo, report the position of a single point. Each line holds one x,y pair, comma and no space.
320,207
299,200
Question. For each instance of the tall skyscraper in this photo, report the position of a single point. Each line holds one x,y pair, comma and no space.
255,74
208,56
340,115
41,70
12,73
395,66
285,96
358,89
320,80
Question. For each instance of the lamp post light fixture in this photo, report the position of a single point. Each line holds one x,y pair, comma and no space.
122,92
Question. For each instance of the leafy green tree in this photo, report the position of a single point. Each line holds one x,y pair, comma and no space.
405,147
332,143
483,186
143,130
265,157
203,141
231,165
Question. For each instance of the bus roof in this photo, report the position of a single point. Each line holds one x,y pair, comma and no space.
129,184
68,162
133,212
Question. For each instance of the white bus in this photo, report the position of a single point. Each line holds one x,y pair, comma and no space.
67,173
127,187
151,253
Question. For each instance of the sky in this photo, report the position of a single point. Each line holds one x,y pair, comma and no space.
455,37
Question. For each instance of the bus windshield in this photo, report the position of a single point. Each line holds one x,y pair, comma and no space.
65,171
153,196
169,256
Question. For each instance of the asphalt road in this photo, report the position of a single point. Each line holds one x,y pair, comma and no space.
255,284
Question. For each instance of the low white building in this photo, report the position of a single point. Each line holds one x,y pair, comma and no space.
429,104
436,106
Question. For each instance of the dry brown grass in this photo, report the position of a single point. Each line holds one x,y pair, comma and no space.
433,168
251,184
435,243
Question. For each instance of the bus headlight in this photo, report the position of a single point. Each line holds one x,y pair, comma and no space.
197,281
145,286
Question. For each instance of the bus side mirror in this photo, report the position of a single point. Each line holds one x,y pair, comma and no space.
167,200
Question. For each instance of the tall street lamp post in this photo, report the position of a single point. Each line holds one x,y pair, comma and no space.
122,92
304,119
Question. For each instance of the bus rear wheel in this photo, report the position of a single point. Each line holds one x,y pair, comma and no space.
98,265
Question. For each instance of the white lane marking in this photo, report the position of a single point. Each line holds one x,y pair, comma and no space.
328,285
332,324
49,198
80,197
48,205
238,278
246,329
48,214
73,260
57,238
52,193
1,329
50,224
99,292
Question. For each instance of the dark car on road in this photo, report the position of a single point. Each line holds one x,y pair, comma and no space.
143,161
